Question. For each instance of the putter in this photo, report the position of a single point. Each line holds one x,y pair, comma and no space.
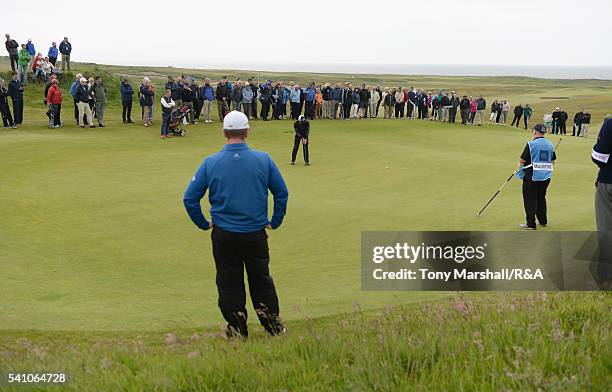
507,181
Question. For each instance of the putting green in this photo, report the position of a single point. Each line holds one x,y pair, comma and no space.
93,234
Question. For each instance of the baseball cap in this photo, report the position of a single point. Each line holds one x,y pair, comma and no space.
235,121
539,128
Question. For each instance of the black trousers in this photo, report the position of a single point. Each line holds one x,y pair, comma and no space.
516,119
7,118
309,110
127,111
14,61
346,109
53,60
534,200
399,110
296,146
265,109
409,109
197,108
18,110
233,253
452,115
464,116
378,106
562,129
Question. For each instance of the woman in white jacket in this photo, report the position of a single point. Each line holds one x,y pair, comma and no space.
374,98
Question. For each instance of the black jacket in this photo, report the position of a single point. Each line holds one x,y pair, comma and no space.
578,118
15,90
464,104
82,94
302,129
604,146
518,111
222,91
186,94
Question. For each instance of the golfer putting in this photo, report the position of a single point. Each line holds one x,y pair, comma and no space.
238,180
535,168
302,130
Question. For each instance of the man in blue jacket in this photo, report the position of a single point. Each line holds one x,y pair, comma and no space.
309,100
238,180
73,89
603,202
127,93
65,49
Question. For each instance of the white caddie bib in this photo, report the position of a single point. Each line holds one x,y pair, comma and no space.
600,157
542,166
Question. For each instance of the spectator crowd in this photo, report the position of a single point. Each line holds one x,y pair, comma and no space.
266,101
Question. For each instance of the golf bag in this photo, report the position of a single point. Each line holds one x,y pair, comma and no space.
176,120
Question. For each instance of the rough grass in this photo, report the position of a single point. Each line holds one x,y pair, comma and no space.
470,342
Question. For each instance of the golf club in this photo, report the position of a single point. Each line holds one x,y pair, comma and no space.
508,180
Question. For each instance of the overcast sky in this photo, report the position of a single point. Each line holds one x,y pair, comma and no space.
232,33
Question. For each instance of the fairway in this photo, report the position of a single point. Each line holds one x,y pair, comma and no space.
94,236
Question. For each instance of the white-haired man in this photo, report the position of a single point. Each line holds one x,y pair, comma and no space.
82,100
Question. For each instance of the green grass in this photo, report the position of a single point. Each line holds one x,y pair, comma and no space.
96,250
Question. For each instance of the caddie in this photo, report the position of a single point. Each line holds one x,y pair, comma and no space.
535,168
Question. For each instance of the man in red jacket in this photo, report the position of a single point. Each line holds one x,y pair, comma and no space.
54,103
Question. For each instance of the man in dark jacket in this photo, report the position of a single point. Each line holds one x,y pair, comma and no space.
577,123
584,124
127,93
15,91
254,101
222,95
518,113
265,97
12,47
197,101
5,111
464,107
174,86
302,130
454,104
603,202
562,121
481,106
347,101
380,98
65,49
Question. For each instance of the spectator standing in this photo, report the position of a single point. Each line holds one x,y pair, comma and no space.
222,94
127,95
399,103
374,102
254,103
584,125
65,49
505,108
208,96
265,97
473,110
187,97
452,110
22,64
237,97
562,121
356,100
464,107
518,113
577,122
100,94
309,100
145,93
167,105
494,111
15,91
326,95
12,47
82,97
73,89
480,109
555,120
247,100
318,109
5,111
336,99
197,101
32,51
527,112
295,97
54,102
53,53
388,103
364,101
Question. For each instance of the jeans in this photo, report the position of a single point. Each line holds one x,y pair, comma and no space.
126,113
165,123
233,253
22,73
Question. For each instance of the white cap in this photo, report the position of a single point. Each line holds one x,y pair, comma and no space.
235,121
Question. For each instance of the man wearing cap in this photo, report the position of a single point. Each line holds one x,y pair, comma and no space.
302,130
238,180
603,201
535,169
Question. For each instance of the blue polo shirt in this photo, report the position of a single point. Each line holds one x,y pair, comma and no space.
237,179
